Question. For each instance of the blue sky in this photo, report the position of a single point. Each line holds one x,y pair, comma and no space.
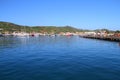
85,14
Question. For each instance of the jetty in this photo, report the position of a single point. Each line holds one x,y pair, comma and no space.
107,37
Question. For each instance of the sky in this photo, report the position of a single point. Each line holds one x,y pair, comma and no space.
82,14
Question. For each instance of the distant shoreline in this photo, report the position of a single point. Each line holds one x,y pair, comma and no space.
11,29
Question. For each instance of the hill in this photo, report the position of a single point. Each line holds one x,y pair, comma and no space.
11,27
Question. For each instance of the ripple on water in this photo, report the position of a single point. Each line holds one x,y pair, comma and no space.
58,58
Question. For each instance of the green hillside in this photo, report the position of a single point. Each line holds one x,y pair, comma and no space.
11,27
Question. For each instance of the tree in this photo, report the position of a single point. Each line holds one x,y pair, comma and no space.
117,31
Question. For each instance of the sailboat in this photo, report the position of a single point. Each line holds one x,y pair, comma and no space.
21,34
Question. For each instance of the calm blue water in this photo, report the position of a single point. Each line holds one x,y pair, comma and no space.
58,58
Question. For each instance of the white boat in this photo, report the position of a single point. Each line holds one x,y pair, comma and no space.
21,34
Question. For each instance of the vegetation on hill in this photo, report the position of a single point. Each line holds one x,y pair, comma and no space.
11,27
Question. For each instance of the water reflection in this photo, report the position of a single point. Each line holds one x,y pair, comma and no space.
46,40
40,41
119,44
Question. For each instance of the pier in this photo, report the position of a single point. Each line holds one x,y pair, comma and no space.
107,38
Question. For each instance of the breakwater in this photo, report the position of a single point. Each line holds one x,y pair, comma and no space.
108,38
